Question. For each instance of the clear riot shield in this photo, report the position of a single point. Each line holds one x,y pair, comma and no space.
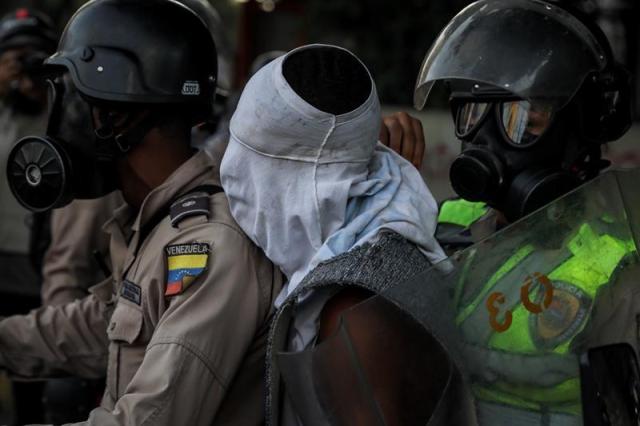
529,302
516,314
380,368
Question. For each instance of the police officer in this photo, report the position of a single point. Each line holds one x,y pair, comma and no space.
77,251
180,326
534,92
73,250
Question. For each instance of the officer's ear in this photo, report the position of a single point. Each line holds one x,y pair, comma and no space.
329,78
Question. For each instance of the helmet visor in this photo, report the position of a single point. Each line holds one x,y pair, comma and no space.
532,49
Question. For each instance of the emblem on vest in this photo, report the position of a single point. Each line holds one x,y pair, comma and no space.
563,319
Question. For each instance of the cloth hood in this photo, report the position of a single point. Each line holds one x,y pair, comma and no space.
307,185
283,125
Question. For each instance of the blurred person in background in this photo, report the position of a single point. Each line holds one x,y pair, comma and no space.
72,251
59,245
27,37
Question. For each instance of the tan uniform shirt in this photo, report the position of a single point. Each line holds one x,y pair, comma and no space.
76,232
195,358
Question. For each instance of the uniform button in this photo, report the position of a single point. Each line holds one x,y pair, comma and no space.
112,326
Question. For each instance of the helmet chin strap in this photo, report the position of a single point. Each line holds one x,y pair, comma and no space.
123,142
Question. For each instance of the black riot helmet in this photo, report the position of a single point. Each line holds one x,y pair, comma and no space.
114,55
216,26
534,92
27,28
145,52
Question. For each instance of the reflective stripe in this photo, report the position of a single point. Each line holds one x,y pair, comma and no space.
594,258
461,212
560,398
500,415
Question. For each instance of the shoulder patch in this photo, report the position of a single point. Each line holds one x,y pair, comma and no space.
185,262
189,206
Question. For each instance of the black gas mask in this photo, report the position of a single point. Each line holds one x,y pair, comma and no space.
516,154
73,160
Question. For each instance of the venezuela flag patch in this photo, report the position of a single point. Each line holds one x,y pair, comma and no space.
185,262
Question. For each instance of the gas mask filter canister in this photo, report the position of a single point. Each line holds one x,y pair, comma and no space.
46,172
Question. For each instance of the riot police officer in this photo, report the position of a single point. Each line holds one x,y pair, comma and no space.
534,92
129,81
531,123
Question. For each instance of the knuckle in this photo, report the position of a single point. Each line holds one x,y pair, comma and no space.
393,125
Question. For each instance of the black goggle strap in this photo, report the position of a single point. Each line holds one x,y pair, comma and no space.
135,134
126,140
56,89
106,130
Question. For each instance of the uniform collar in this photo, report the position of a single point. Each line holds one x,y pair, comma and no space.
198,170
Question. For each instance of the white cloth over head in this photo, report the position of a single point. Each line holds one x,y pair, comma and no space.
306,185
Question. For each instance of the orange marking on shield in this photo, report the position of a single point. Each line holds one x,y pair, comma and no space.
498,326
536,308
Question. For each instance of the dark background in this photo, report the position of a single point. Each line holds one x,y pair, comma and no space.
390,36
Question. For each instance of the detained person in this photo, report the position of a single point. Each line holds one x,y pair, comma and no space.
344,217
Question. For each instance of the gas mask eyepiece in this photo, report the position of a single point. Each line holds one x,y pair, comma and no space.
512,155
521,123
